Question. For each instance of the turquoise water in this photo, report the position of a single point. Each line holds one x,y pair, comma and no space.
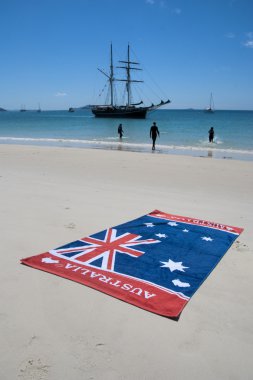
181,131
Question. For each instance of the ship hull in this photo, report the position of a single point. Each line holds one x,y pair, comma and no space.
126,113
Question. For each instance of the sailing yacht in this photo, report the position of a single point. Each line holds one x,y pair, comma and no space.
130,109
210,109
22,109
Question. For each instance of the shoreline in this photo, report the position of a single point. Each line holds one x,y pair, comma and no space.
53,328
204,152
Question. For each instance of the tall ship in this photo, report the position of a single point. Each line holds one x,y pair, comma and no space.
130,109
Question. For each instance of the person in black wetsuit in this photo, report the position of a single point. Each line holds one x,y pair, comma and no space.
211,134
154,132
120,131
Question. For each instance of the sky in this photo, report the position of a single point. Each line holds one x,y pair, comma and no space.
188,49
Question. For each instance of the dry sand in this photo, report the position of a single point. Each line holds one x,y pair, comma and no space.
56,329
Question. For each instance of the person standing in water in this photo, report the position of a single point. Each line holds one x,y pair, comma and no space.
211,134
120,131
154,132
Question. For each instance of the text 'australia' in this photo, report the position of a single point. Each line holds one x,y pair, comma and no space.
109,281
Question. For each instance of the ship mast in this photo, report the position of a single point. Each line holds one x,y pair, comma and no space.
128,79
128,84
110,77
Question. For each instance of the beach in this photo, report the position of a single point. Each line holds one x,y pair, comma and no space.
55,329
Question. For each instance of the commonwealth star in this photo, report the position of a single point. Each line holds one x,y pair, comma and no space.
172,265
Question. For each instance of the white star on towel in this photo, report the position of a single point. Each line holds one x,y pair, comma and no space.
172,224
206,238
161,235
149,225
172,265
185,230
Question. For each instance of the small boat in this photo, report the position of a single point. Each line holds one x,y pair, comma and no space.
130,109
22,109
210,109
39,109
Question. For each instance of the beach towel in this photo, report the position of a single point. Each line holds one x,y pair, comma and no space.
156,262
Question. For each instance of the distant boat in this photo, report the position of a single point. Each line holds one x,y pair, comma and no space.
130,109
71,109
22,109
210,109
39,109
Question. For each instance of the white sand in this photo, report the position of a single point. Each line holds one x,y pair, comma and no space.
56,329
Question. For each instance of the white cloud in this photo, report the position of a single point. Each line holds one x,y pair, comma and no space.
249,44
230,35
177,11
160,3
222,69
59,93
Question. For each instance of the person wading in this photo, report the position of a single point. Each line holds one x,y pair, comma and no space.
211,134
120,131
154,132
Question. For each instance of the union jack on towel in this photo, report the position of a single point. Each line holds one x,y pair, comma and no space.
156,262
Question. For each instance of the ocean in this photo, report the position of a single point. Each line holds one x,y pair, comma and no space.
181,132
